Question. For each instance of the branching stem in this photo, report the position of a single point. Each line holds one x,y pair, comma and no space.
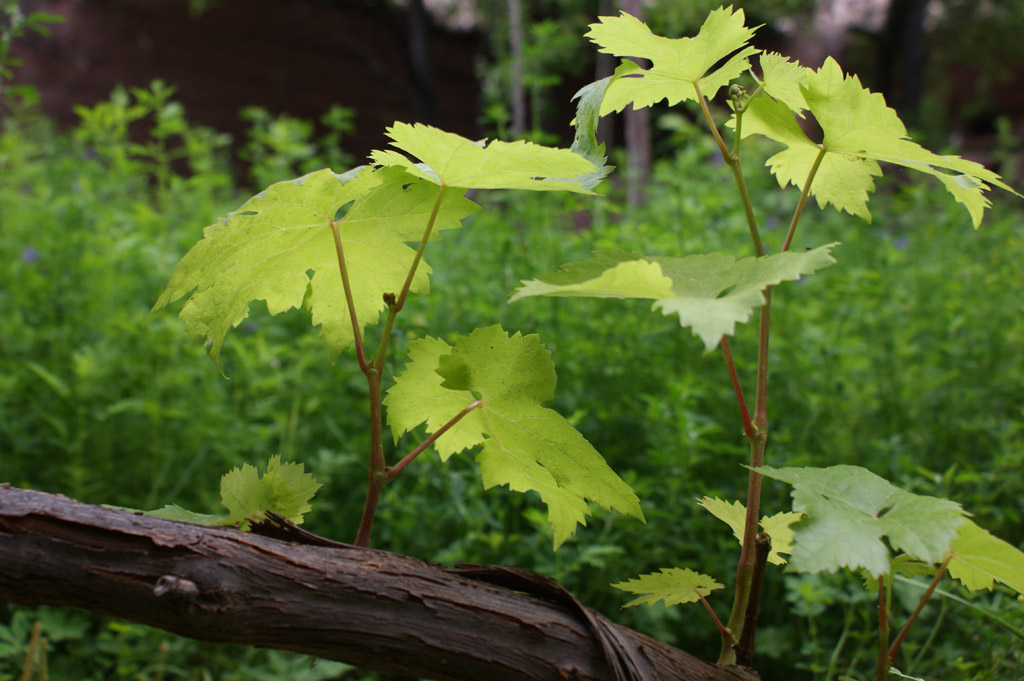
379,474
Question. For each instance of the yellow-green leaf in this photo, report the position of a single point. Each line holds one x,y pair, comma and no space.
674,586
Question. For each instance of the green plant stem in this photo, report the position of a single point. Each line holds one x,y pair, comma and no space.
733,160
748,425
803,197
392,471
882,670
894,648
419,252
745,567
399,303
343,268
745,647
379,474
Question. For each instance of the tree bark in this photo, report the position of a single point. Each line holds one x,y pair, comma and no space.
373,609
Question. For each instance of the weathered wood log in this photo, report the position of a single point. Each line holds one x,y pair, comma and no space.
376,610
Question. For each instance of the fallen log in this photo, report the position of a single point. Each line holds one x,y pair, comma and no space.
373,609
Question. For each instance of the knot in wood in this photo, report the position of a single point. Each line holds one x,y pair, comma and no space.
176,586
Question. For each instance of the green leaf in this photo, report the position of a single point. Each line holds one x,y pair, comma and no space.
284,489
454,161
849,509
859,131
266,249
672,585
689,287
175,512
524,445
979,559
782,79
778,526
677,64
588,117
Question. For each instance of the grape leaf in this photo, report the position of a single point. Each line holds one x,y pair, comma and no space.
524,445
454,161
672,585
979,559
266,249
584,143
183,515
284,489
849,509
677,64
778,526
859,130
689,287
782,80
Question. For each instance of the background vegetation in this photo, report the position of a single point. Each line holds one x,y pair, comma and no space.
905,358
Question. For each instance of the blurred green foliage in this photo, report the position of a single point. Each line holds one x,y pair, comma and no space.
905,358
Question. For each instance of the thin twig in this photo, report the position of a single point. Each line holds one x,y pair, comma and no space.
882,670
920,606
748,426
392,471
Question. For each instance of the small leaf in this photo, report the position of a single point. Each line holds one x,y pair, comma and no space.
979,559
689,287
454,161
849,509
175,512
524,445
778,526
782,80
284,489
672,585
677,64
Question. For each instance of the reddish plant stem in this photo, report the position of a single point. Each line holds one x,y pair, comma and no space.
882,671
726,634
748,426
898,641
377,475
392,471
745,648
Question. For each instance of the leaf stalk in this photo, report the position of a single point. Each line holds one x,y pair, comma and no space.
393,471
803,197
894,648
